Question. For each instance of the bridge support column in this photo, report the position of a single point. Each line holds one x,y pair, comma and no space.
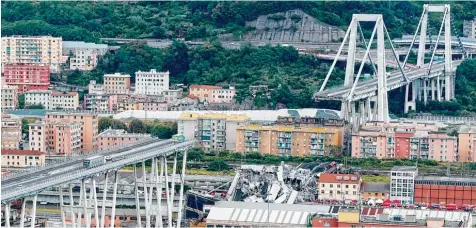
158,179
7,215
167,193
95,196
409,105
449,94
182,182
103,208
33,211
382,100
438,88
422,44
63,219
71,204
146,198
114,195
136,191
432,81
425,91
22,218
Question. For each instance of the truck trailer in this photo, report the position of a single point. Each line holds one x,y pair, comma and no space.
94,161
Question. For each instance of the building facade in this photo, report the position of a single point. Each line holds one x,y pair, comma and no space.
64,100
9,97
11,132
402,180
212,94
38,136
152,82
287,140
88,126
117,83
213,131
83,56
375,190
469,28
100,102
466,144
94,87
22,158
341,187
115,137
172,95
450,190
44,50
56,137
38,97
27,76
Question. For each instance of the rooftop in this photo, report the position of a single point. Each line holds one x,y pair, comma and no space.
117,75
289,128
231,212
375,187
193,116
82,44
120,133
447,179
39,91
57,93
205,87
467,129
22,152
339,178
152,71
255,115
405,168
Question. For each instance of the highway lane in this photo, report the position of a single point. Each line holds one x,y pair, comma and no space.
77,163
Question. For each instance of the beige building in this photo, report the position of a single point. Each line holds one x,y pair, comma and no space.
33,50
88,125
22,158
11,131
212,94
38,97
212,130
64,100
117,83
467,144
115,137
341,187
9,96
83,59
288,140
38,136
94,87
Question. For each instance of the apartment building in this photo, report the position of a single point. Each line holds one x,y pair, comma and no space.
38,136
45,50
100,102
55,137
52,99
469,28
466,144
152,106
9,97
213,131
27,76
287,140
117,83
64,100
402,180
11,131
409,141
22,158
172,95
151,82
94,87
83,56
341,187
88,125
212,94
189,103
114,137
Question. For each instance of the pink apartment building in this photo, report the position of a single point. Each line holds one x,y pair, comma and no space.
466,144
115,137
212,94
61,137
442,147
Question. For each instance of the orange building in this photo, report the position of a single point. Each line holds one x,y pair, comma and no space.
376,190
288,140
115,137
448,190
402,144
117,83
467,144
88,122
212,94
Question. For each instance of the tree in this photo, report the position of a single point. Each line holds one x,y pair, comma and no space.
108,122
176,60
21,101
195,154
35,106
218,165
163,130
137,126
25,128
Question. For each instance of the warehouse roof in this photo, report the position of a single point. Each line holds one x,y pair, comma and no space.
255,115
244,213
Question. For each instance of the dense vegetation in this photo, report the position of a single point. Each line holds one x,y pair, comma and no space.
90,21
163,130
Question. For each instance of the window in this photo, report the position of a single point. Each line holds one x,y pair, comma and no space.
327,224
346,186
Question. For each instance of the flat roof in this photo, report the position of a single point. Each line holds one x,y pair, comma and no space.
404,168
82,44
449,179
233,212
467,129
21,152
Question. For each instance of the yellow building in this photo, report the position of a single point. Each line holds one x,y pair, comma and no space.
9,96
215,131
22,158
287,140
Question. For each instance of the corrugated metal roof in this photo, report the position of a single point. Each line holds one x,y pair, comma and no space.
224,212
424,214
255,115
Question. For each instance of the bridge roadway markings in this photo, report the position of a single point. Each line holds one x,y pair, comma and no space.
46,182
72,160
78,162
368,88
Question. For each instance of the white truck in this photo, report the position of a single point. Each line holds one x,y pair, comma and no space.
94,161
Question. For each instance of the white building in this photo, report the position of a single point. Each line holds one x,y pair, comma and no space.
469,28
94,87
152,82
402,180
37,136
33,50
52,99
38,97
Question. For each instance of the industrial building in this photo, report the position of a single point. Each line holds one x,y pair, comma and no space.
447,190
